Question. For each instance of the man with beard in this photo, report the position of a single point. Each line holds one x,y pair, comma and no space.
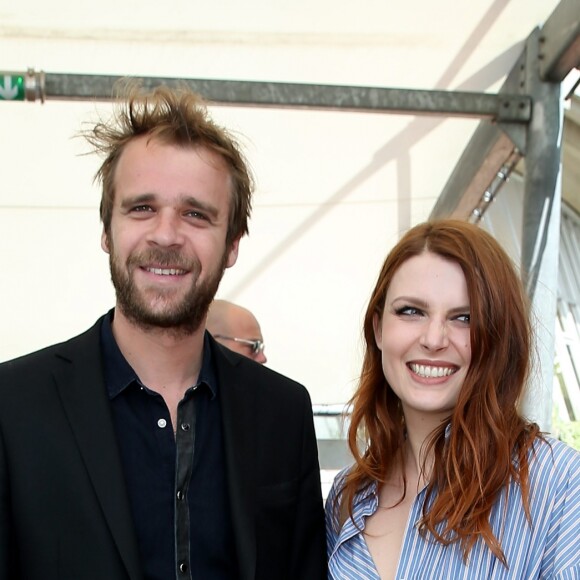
143,449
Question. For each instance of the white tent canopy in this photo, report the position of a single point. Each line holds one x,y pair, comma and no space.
335,188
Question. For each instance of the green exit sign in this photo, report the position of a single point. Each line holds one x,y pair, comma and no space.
11,87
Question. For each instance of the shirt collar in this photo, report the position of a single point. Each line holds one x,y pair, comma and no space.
119,374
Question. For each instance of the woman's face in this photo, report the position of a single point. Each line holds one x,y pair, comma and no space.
424,335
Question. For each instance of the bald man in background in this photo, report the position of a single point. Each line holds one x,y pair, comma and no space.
236,328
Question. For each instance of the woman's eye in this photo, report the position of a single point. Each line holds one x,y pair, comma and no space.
465,318
408,311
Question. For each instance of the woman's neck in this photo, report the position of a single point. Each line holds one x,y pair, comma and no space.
419,430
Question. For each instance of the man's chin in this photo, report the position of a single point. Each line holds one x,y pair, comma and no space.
169,310
181,319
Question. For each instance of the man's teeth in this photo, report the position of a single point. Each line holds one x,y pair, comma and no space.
166,271
431,372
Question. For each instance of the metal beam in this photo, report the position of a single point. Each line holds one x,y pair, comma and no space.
541,229
504,108
556,52
543,166
488,151
559,50
492,151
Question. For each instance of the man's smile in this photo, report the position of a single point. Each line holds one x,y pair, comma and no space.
166,271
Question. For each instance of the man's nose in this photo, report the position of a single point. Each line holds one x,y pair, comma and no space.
166,229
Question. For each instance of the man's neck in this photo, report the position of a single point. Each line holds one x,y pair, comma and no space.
164,360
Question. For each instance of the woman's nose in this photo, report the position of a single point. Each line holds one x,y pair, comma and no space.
434,336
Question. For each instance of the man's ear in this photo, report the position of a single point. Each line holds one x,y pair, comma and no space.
233,253
105,242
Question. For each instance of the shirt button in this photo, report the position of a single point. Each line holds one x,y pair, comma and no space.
162,423
185,426
183,567
180,495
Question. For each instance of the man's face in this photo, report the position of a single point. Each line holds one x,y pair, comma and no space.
167,240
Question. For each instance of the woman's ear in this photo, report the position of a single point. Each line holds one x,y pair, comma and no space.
378,330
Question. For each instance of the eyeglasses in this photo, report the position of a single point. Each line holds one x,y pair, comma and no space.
257,345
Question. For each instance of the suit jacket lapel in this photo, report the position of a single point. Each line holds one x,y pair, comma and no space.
238,418
81,386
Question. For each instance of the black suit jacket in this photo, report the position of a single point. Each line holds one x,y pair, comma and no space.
64,510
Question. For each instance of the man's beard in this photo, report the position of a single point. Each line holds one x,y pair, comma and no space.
181,317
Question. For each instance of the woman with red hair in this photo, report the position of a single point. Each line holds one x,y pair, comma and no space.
450,480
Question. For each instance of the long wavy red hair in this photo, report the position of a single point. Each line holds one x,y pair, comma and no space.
474,463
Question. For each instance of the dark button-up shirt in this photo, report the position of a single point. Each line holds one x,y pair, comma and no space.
177,484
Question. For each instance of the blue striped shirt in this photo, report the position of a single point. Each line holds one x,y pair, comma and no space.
549,547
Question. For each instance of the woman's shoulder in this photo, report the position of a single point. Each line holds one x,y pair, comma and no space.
339,482
557,452
550,457
361,498
554,505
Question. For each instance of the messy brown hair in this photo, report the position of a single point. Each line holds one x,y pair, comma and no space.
175,116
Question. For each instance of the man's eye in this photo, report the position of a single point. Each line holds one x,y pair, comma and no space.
140,208
196,215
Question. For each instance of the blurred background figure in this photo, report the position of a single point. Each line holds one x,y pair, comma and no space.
236,328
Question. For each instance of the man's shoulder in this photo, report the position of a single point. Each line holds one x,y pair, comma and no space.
37,360
270,376
257,378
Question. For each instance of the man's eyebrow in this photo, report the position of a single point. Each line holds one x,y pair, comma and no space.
204,206
137,200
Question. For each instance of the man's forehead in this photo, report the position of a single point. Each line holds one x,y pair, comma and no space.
152,178
204,150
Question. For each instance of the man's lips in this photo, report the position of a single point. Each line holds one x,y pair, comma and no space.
432,371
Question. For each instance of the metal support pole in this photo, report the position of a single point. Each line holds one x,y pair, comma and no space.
504,108
541,228
560,42
22,86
